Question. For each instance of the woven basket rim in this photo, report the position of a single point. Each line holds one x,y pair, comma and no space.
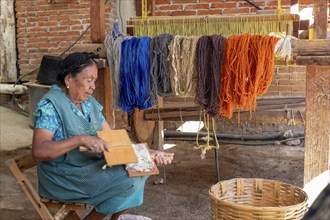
255,208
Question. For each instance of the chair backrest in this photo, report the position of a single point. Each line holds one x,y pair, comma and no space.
65,210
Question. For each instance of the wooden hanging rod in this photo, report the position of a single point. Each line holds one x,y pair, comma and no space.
211,18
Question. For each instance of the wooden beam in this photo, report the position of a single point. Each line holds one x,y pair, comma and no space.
318,47
97,48
317,127
97,21
320,19
313,60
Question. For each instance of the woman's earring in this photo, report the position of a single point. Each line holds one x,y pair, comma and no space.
68,87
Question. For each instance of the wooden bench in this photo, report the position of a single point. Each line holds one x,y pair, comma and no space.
42,205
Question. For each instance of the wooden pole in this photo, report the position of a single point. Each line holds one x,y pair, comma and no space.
317,127
97,21
320,19
98,36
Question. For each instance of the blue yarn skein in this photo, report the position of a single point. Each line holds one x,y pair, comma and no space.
134,74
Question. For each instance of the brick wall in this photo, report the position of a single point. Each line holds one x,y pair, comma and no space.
288,80
215,7
49,28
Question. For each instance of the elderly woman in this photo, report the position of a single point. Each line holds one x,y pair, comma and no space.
67,117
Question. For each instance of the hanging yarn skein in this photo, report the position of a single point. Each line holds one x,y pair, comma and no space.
113,48
182,57
159,70
209,57
134,74
247,71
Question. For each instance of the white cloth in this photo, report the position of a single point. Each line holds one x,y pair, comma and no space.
133,217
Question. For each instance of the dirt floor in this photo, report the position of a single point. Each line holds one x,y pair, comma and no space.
184,194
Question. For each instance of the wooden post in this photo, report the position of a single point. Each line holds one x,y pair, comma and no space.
317,128
153,7
97,21
98,36
320,19
151,4
138,7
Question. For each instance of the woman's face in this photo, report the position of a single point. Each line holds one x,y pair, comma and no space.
82,86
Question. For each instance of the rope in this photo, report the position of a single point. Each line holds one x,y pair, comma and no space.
209,58
279,8
183,65
159,70
207,146
134,74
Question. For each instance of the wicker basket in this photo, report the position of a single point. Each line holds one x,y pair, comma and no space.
257,199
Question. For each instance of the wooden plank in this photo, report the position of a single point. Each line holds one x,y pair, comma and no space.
320,19
275,117
97,48
313,60
57,205
320,47
317,128
97,21
142,128
143,160
25,162
29,190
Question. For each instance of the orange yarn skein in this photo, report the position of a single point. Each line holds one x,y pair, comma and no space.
247,71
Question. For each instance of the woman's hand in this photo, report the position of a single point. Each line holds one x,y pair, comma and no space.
161,158
95,144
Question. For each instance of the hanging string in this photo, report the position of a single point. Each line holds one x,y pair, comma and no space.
247,71
182,57
209,57
201,25
134,74
207,146
279,8
159,70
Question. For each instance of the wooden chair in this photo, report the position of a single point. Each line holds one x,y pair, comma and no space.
43,206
